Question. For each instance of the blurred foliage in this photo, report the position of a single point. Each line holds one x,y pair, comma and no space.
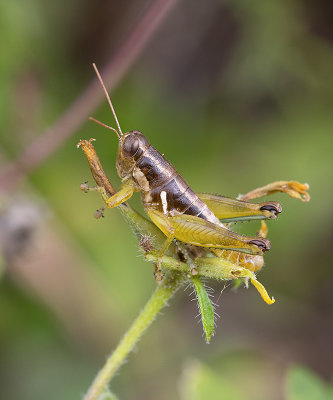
201,382
302,384
198,382
236,94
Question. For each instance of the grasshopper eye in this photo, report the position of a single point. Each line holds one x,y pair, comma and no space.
130,146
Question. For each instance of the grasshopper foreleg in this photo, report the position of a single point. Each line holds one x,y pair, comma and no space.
125,192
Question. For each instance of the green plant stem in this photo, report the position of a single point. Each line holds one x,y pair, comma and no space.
157,301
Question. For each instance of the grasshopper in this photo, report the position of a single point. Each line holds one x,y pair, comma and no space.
180,213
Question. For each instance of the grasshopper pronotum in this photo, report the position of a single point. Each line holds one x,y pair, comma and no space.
181,214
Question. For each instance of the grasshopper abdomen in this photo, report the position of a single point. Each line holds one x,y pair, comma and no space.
164,189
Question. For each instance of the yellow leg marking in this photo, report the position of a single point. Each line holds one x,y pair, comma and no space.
125,192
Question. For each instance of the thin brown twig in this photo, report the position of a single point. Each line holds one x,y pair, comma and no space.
52,138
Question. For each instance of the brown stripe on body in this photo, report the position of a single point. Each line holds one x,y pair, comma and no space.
179,198
155,167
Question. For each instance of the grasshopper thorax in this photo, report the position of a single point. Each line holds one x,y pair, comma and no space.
131,147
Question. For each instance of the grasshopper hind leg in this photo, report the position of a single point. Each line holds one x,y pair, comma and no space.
199,232
233,210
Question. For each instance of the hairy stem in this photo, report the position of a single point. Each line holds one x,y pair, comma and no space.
157,301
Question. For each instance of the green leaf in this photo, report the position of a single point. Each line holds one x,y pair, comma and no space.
199,382
302,384
206,308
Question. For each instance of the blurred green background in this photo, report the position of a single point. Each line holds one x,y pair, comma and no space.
236,94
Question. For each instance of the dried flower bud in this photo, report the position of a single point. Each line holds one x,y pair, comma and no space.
146,244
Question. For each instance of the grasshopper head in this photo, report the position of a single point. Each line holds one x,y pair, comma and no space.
131,144
131,147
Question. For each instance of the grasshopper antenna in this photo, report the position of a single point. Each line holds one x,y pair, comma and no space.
105,126
110,104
